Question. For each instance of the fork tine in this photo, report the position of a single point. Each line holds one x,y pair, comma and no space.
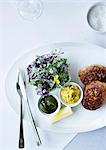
18,76
17,85
24,77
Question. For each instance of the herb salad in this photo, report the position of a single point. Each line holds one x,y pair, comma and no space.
48,72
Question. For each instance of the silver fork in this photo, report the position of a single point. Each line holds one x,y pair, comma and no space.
21,132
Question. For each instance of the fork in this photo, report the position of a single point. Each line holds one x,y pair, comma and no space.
21,132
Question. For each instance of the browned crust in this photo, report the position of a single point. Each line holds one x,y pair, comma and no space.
93,73
94,95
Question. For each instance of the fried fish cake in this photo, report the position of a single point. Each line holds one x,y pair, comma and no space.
93,73
94,95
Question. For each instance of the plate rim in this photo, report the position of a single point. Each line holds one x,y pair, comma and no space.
58,44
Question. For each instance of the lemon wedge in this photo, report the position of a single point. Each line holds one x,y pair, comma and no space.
63,113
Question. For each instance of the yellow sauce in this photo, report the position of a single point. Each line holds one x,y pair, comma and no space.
70,94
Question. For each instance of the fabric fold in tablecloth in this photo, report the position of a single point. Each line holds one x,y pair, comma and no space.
55,141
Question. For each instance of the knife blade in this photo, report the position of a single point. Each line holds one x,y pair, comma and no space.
22,83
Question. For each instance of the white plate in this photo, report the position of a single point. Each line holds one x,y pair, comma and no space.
79,56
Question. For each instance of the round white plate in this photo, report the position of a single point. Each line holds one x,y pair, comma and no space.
79,56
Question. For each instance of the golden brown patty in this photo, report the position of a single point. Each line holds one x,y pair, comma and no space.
94,95
93,73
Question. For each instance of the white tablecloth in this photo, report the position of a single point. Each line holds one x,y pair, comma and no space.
61,21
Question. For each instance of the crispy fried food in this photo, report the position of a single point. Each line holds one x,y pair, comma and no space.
94,95
93,73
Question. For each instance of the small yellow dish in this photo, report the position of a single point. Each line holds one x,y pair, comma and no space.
71,94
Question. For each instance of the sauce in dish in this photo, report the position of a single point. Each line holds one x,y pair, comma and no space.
48,104
70,94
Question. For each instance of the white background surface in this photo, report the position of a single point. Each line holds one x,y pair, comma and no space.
61,21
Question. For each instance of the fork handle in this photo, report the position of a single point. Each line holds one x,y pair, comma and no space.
21,133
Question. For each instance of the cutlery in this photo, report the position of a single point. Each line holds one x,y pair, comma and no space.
21,132
23,90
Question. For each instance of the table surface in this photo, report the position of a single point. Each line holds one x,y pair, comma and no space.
61,21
